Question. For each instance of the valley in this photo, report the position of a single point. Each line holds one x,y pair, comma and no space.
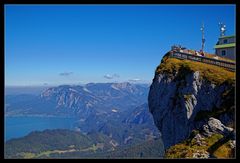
116,111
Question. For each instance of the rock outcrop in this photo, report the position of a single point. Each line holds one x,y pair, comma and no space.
215,126
185,94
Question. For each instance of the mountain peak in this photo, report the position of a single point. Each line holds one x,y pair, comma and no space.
122,85
185,93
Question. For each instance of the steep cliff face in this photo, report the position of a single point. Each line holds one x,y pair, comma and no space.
185,94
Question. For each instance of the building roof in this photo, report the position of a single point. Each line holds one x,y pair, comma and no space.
225,46
227,36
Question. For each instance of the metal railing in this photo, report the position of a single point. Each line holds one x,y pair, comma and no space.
180,55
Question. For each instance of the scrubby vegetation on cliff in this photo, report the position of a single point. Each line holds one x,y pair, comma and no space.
209,147
214,74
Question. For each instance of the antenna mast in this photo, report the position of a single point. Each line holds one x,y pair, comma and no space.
222,28
203,39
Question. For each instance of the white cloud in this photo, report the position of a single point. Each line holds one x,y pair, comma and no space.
65,73
134,80
108,76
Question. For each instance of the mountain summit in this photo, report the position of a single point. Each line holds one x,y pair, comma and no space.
187,98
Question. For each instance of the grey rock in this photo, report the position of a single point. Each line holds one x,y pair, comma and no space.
215,126
174,104
200,140
232,144
200,154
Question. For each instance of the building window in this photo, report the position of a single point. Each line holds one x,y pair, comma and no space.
225,41
223,52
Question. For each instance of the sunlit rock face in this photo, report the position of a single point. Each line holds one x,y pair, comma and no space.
175,99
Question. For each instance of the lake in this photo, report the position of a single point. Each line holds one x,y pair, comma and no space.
16,127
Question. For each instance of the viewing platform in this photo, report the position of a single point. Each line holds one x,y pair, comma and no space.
183,53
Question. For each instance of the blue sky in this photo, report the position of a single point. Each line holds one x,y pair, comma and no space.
76,44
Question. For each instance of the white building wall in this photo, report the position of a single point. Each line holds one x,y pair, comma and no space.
229,40
230,53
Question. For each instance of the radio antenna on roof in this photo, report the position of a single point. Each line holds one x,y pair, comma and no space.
222,29
203,39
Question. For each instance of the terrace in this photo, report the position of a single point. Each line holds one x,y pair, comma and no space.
183,53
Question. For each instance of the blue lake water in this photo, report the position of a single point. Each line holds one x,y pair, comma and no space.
16,127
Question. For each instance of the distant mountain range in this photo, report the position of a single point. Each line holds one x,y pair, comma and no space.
16,90
140,115
118,111
92,98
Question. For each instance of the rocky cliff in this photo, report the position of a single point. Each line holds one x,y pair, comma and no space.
186,95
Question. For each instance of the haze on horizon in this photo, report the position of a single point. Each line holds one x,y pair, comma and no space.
49,45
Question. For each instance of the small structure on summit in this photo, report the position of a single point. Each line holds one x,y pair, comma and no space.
203,38
226,45
224,56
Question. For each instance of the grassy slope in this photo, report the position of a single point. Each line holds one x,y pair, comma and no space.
41,143
147,149
61,143
186,148
212,73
